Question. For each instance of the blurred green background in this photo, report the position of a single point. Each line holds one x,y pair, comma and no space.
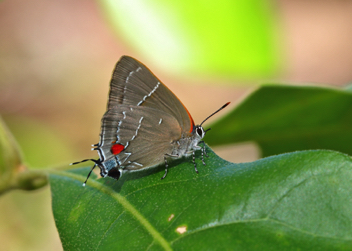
56,60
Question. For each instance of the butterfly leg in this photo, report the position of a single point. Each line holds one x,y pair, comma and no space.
166,165
204,150
194,161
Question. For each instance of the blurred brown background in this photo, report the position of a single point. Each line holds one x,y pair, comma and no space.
56,60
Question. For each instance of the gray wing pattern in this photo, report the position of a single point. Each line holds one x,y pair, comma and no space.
147,133
134,84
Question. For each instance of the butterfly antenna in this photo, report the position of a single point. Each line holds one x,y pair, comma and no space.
215,112
91,170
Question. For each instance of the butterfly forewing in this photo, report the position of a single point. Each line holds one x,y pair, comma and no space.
134,84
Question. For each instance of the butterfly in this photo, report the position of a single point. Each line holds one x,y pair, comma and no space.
145,124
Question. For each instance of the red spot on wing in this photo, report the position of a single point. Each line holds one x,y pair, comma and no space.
117,148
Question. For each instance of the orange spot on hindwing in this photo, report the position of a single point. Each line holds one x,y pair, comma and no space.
117,148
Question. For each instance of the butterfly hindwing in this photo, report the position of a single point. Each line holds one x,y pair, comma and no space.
145,133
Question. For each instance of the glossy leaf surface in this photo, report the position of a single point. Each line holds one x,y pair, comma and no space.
283,119
295,201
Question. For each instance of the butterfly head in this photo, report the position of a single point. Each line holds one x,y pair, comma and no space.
199,132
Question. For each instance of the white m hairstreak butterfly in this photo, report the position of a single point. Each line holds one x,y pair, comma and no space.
144,125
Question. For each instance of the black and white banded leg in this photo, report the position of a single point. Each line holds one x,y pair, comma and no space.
194,161
166,165
204,152
204,149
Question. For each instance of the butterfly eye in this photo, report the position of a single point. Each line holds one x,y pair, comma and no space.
200,132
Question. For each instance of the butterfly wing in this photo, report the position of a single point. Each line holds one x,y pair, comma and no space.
134,84
143,136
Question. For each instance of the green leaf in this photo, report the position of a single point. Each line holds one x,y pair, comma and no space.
234,38
295,201
289,118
